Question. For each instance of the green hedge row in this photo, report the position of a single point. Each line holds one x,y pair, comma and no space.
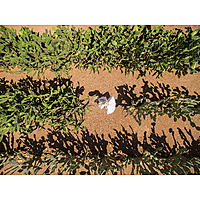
175,106
145,49
24,108
59,162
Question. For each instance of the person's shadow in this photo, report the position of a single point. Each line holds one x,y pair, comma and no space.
98,94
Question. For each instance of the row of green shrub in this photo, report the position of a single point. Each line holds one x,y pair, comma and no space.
174,106
145,49
24,108
59,162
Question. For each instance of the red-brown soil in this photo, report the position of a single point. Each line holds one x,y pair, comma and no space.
106,132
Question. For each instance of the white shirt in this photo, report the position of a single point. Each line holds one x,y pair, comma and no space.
109,104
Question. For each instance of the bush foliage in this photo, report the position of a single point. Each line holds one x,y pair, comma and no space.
143,48
24,108
174,106
58,162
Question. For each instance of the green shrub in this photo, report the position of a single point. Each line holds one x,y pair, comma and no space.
174,106
59,162
144,49
24,108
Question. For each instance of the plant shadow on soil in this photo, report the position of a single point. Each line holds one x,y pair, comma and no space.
149,90
124,142
99,94
40,86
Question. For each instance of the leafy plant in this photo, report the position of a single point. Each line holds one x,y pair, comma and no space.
33,53
144,49
58,162
25,109
178,164
174,106
21,163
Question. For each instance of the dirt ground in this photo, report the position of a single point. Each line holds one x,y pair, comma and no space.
115,132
